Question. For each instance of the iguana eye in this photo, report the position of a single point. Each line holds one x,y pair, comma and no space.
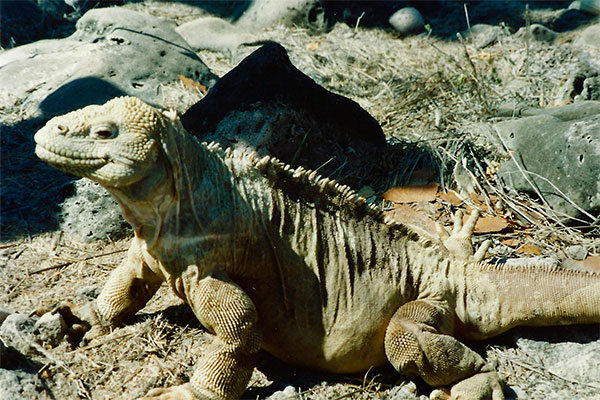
104,131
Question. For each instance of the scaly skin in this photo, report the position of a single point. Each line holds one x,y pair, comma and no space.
272,257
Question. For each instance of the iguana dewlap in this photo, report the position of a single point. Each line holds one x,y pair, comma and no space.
279,258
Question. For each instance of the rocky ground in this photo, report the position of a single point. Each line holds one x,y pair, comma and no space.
470,113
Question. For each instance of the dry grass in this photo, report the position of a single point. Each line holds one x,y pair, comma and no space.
424,92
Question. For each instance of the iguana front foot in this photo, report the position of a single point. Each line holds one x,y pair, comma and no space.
459,243
82,321
181,392
482,386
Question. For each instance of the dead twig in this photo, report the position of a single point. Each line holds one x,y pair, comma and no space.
64,264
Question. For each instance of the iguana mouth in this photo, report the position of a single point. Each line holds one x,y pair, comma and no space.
63,158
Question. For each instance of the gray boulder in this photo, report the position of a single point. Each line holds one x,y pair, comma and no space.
216,34
589,38
265,13
573,362
113,52
537,33
19,360
483,35
555,154
17,331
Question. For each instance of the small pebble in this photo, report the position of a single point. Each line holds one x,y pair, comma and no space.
407,20
288,393
576,252
538,33
50,328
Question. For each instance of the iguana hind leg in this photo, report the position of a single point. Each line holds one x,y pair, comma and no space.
224,370
417,343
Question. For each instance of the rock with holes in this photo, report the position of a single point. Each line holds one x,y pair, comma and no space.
113,52
92,214
216,34
555,155
573,361
17,332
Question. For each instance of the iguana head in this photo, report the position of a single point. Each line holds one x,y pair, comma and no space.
115,144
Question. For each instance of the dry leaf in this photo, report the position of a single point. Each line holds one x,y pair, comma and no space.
313,46
530,249
488,224
476,198
512,242
591,263
192,84
406,214
412,193
451,198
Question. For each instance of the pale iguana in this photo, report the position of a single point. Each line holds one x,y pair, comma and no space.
281,259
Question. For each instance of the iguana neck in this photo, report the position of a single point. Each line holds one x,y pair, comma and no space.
141,205
204,198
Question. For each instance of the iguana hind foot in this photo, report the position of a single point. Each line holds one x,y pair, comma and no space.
181,392
459,243
482,386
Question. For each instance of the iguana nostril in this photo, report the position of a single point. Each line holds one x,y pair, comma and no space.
62,129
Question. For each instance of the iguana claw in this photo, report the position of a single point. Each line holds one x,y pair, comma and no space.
82,321
482,386
182,392
459,243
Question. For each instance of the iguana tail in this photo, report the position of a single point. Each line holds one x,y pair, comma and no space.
497,298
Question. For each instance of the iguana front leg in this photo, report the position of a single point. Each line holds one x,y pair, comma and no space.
224,371
127,290
417,343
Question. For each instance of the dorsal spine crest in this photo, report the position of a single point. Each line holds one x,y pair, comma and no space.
275,170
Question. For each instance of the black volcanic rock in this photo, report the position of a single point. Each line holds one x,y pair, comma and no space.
268,104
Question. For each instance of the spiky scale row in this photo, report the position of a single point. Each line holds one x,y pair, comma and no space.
273,169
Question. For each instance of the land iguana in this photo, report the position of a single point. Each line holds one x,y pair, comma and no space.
272,257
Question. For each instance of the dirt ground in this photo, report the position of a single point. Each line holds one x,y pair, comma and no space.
423,90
